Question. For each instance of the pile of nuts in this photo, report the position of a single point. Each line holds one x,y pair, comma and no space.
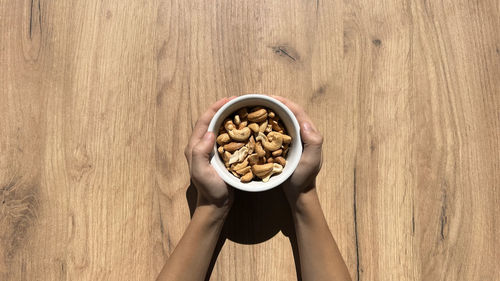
253,144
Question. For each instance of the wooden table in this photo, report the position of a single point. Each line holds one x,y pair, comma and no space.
98,98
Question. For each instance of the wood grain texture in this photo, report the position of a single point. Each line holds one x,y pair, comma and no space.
98,98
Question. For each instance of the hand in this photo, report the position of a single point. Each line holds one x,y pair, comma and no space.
212,190
319,255
304,178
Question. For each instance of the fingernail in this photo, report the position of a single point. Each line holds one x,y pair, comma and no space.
306,126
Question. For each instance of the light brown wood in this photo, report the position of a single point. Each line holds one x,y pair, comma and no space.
98,98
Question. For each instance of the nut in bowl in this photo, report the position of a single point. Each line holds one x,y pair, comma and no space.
253,144
258,142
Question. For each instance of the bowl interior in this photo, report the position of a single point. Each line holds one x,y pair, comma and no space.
292,127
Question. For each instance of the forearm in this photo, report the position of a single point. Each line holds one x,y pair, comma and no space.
191,257
320,257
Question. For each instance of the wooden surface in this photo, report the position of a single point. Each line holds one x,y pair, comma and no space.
98,98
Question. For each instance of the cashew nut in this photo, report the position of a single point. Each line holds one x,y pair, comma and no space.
270,160
243,171
258,148
257,115
228,124
269,128
223,139
280,160
226,157
239,135
277,168
251,145
238,155
241,165
268,153
277,152
263,126
272,142
220,149
287,139
254,127
276,126
262,170
233,146
243,124
247,177
253,159
234,173
237,120
271,114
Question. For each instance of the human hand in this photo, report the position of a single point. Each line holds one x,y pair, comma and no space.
212,190
303,179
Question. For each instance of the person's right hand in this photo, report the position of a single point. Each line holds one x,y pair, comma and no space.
212,190
303,179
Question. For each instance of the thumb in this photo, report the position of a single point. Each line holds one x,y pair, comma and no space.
201,151
311,137
311,155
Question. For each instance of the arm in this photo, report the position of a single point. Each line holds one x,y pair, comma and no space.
191,257
320,258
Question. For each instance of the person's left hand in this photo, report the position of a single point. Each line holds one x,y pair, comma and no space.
212,190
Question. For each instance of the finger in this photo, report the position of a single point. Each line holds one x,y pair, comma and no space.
308,132
201,125
297,110
290,104
201,154
312,139
310,136
310,161
309,165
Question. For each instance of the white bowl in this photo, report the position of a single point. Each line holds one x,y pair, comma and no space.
293,129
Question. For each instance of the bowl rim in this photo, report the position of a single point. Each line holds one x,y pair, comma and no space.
291,166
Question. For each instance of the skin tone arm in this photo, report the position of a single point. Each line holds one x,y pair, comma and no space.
320,258
319,254
191,257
